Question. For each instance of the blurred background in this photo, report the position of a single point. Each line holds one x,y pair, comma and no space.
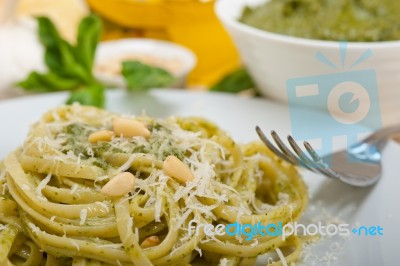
198,43
191,23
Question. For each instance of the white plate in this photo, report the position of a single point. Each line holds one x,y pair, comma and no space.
369,207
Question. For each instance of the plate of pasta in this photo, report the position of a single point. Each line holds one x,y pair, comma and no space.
169,177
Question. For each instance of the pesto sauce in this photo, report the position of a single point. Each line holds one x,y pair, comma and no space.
76,140
161,144
335,20
157,141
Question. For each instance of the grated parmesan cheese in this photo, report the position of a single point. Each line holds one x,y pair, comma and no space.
2,175
281,257
34,228
102,204
2,227
137,234
74,188
4,189
255,243
224,262
74,243
113,246
199,251
129,225
83,216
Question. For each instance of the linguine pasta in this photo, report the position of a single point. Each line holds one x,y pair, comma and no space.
54,211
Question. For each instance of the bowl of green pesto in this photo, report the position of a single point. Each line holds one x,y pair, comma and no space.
333,20
287,45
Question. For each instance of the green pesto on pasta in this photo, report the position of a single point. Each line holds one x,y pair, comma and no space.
54,212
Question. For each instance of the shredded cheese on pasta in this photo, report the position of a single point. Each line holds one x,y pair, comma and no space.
52,199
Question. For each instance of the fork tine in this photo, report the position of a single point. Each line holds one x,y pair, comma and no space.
312,165
270,146
293,158
315,165
312,152
319,160
303,157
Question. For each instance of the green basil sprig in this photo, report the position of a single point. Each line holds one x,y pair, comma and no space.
139,76
70,67
235,82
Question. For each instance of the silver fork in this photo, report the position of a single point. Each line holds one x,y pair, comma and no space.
359,166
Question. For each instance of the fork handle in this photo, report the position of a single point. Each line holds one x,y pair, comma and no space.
370,148
380,137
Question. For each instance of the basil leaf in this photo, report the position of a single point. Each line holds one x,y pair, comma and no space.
89,32
37,82
59,54
53,60
51,41
235,82
48,33
90,95
70,67
140,76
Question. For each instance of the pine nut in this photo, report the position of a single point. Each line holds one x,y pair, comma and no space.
120,185
129,128
151,241
175,168
102,135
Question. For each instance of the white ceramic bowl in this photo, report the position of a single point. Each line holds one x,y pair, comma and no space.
173,57
274,59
